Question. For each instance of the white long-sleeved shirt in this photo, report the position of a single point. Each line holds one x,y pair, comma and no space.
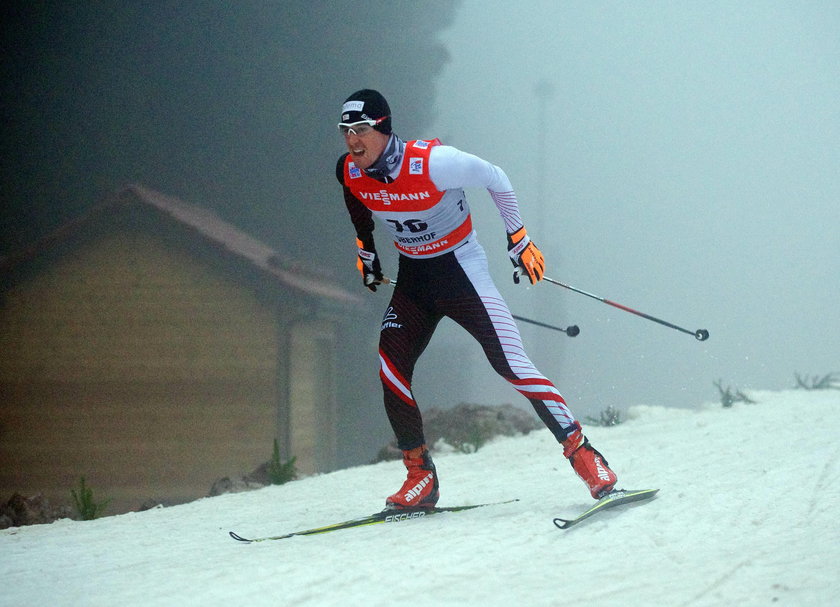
450,168
451,171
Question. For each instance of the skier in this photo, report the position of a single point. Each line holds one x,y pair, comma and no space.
417,189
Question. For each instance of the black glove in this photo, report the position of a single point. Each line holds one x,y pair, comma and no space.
368,265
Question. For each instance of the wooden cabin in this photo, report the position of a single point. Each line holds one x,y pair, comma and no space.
154,348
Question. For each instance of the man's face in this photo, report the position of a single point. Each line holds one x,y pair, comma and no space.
365,144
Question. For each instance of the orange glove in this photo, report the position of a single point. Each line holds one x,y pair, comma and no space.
524,254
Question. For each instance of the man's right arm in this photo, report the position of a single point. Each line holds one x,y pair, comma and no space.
368,261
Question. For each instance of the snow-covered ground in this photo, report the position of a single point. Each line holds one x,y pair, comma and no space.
746,515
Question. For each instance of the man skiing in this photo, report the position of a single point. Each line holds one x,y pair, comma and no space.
416,188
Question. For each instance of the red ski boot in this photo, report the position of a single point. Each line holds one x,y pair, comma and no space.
420,490
589,464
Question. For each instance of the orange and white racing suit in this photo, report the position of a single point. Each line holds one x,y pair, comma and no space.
442,272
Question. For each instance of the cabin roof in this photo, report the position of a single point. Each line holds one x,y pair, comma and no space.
204,224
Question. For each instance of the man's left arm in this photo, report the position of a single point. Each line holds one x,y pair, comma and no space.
451,168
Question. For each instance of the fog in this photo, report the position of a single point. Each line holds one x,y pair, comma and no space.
228,105
676,157
679,158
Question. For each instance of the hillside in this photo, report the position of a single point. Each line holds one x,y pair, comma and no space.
745,516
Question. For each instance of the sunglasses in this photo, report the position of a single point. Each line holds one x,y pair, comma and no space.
360,128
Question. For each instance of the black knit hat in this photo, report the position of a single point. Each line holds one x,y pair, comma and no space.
367,104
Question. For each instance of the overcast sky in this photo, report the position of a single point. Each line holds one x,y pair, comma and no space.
680,158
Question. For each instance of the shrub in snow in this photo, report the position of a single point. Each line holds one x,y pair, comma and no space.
280,472
467,427
273,472
729,398
826,382
609,417
86,507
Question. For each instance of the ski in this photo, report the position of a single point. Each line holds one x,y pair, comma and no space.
385,516
612,499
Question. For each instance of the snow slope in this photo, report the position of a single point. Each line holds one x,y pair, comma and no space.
745,516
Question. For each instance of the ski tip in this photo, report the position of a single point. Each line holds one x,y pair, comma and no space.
630,493
239,538
611,499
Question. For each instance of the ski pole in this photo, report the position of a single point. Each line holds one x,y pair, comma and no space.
699,334
571,330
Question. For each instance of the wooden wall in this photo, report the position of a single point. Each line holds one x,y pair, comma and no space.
136,364
312,411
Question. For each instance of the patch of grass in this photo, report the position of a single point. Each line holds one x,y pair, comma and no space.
86,507
280,472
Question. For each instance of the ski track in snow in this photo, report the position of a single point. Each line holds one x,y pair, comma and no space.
744,517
